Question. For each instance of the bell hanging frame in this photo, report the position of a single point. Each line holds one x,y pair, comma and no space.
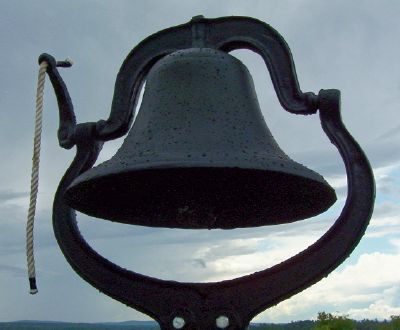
232,302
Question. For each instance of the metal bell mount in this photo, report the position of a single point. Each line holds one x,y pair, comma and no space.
199,155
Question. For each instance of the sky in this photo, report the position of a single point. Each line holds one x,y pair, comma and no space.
352,46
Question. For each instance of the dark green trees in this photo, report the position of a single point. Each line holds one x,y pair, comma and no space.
327,321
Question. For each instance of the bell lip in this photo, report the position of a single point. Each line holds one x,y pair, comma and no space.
318,208
102,170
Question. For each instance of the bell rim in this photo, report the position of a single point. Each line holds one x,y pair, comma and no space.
103,168
322,186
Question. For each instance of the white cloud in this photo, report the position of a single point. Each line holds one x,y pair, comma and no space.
385,220
267,252
386,305
368,289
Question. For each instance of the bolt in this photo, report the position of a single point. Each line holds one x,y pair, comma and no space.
222,322
178,322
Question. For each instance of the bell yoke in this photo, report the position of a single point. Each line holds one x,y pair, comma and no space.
199,155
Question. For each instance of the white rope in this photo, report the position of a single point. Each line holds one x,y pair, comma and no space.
35,178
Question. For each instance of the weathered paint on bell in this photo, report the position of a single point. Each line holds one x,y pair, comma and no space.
199,155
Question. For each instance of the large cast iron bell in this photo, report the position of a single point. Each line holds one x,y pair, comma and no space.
199,155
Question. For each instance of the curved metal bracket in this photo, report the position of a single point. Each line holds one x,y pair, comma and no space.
67,124
227,34
199,304
248,33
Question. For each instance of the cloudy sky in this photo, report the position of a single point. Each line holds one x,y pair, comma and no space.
349,45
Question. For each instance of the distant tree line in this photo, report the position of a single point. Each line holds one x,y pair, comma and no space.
324,321
328,321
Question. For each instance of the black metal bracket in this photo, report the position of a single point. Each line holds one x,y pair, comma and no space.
200,304
67,124
226,34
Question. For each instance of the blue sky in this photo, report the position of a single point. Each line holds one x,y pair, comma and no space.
349,45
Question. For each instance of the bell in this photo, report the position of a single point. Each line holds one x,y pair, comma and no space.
200,155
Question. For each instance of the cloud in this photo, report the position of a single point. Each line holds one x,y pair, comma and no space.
9,195
13,270
388,225
393,132
200,262
388,185
371,285
386,305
